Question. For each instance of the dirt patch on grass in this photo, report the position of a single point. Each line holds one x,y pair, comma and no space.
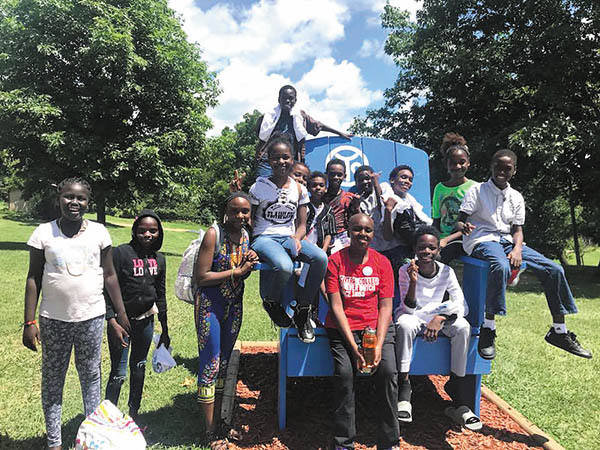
309,413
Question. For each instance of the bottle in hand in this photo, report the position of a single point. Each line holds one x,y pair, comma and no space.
369,342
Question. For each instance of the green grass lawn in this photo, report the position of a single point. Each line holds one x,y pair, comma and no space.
558,392
591,257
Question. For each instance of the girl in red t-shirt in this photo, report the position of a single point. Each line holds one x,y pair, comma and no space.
360,287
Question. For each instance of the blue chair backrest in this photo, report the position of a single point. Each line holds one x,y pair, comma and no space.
380,154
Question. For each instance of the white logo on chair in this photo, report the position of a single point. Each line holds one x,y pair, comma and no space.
353,158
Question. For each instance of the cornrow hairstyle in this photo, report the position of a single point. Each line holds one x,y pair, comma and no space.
395,170
74,180
278,138
335,161
363,169
505,152
425,230
285,88
317,174
452,142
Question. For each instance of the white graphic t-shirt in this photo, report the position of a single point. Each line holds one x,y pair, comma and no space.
73,279
276,208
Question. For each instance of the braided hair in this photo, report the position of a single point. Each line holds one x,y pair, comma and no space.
74,180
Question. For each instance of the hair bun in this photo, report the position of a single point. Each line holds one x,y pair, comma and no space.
450,140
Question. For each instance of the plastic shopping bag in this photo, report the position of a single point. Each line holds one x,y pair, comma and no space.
161,357
107,428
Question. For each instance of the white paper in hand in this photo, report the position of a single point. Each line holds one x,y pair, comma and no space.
161,358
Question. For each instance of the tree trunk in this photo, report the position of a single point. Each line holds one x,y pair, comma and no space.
100,207
574,225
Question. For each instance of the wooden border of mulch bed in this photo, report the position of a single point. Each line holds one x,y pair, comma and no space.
536,433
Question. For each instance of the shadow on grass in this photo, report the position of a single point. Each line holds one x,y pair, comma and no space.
69,433
13,246
191,364
179,424
20,217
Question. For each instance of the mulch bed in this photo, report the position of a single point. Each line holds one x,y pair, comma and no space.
309,412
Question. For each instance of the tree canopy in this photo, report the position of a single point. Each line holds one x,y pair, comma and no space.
523,74
109,90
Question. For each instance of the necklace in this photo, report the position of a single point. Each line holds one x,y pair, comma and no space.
235,257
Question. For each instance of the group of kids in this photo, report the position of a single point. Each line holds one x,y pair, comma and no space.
355,247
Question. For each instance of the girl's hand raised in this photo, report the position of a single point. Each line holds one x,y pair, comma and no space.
236,184
31,337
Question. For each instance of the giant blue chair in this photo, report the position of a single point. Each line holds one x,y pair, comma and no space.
297,359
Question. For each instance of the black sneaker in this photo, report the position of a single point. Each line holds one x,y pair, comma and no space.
277,314
486,346
304,323
567,341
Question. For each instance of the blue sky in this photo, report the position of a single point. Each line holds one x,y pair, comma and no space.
331,50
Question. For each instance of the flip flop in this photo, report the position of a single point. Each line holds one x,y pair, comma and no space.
404,411
464,417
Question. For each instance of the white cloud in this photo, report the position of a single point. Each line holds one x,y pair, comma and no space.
273,34
253,48
342,88
374,48
376,7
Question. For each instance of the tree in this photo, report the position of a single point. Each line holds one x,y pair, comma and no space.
523,74
109,90
233,149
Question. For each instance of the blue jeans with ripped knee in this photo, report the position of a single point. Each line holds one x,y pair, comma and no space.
139,342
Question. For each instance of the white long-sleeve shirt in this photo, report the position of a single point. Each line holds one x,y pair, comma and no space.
429,294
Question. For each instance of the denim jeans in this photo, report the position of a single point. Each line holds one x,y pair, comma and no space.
277,251
139,341
551,275
263,169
